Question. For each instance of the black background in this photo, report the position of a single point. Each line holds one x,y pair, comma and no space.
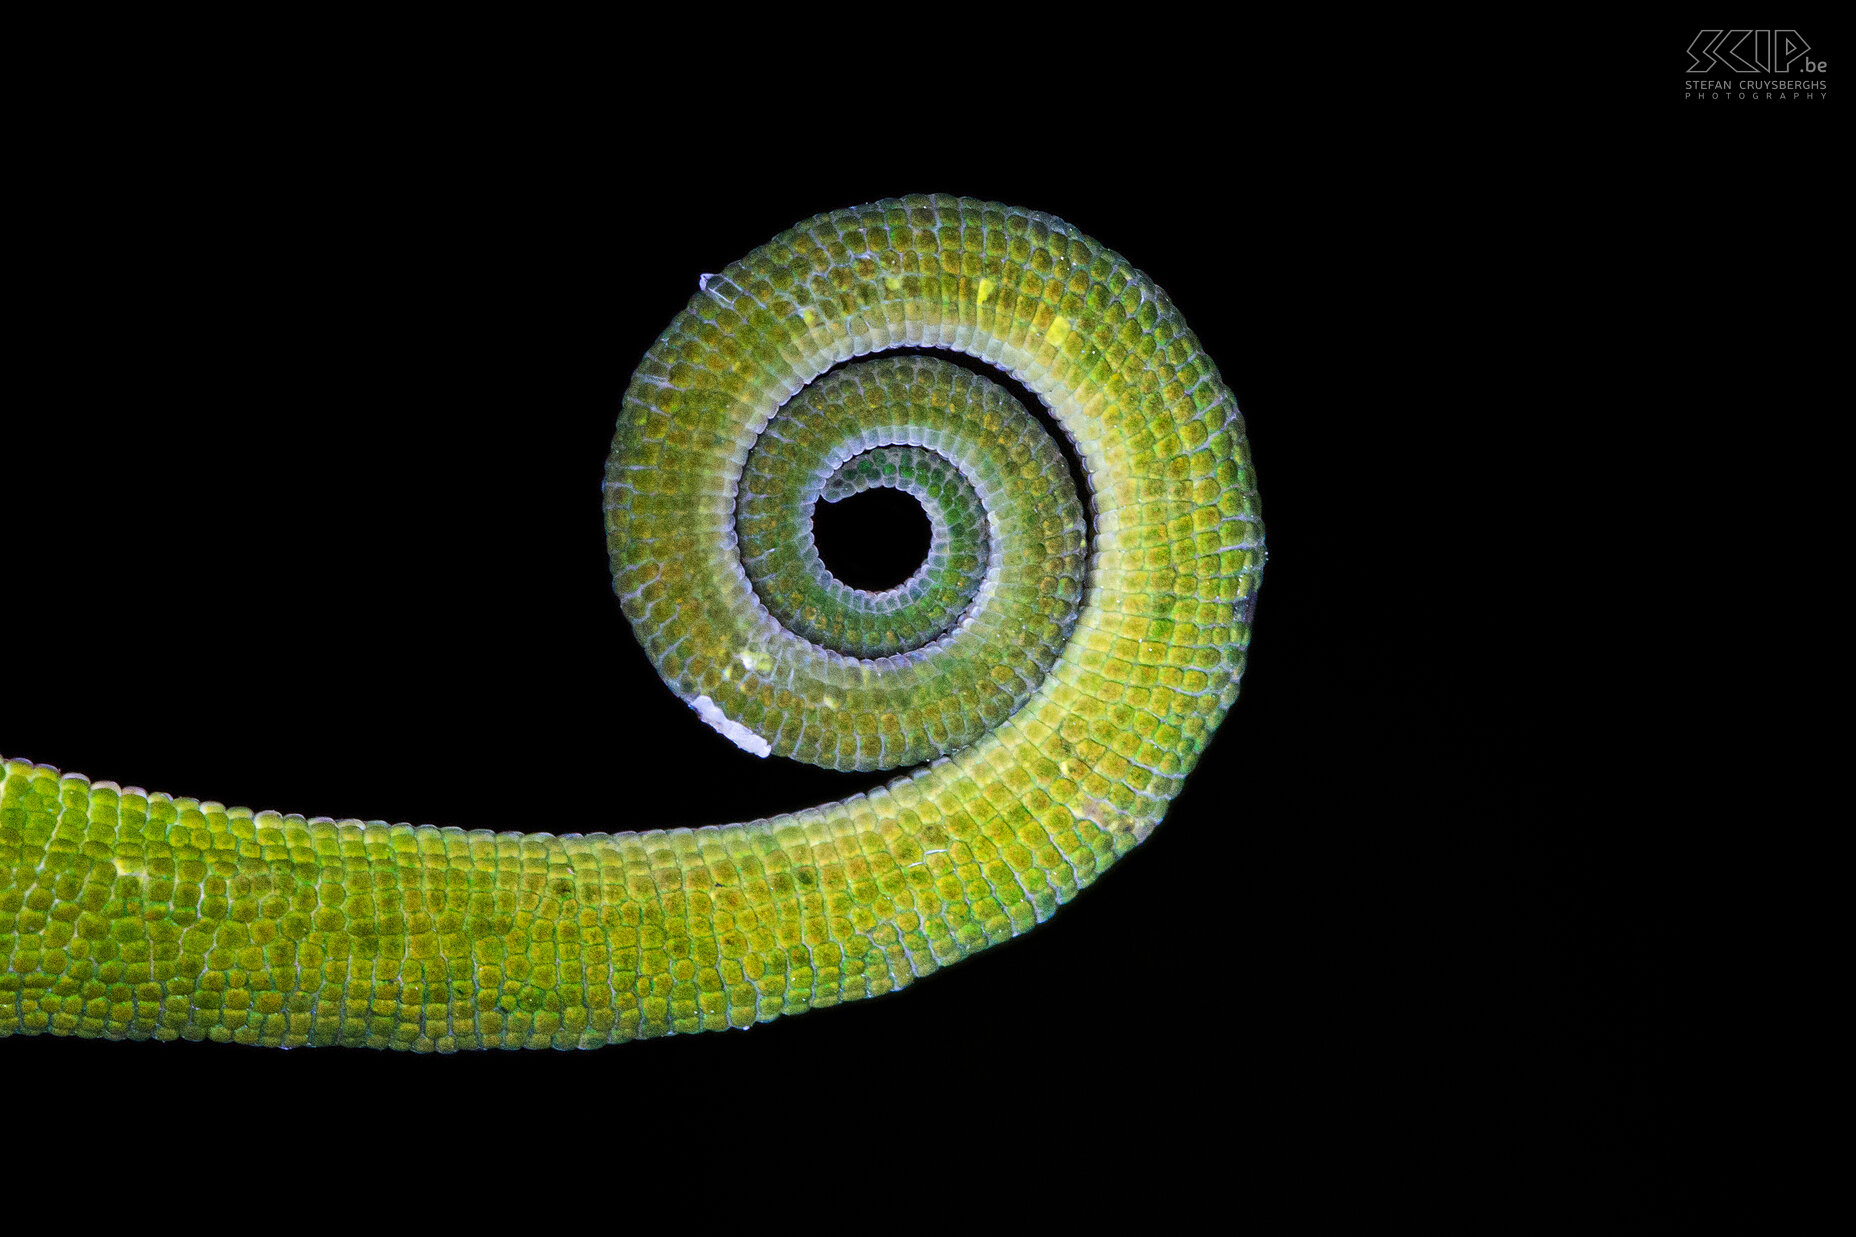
301,511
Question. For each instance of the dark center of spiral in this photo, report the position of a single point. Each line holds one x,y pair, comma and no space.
872,540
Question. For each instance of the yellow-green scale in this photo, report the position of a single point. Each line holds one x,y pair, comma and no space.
132,915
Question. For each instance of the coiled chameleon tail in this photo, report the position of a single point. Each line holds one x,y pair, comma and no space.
1061,690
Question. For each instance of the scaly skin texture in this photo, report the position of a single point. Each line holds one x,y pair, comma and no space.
125,914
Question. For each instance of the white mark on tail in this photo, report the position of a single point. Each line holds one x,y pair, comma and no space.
733,731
